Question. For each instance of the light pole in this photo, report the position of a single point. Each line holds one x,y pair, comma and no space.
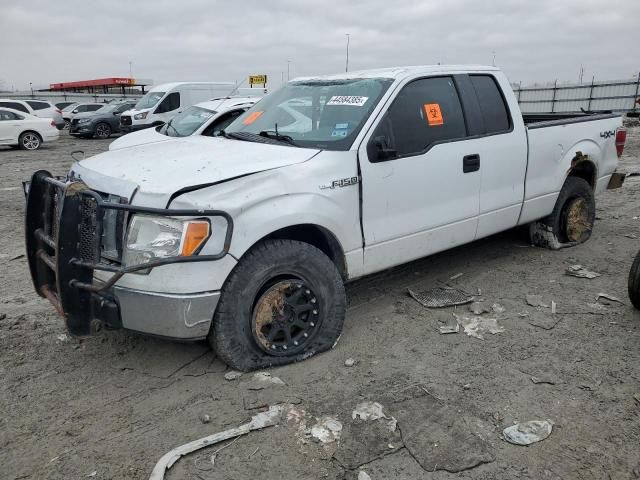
288,64
493,62
130,69
346,68
31,88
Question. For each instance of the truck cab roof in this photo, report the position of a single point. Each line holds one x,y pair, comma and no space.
399,73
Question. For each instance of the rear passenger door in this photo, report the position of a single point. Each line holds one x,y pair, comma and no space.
420,176
500,142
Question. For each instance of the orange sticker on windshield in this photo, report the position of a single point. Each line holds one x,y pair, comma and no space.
433,113
252,117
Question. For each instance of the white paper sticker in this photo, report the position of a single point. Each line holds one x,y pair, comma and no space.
356,101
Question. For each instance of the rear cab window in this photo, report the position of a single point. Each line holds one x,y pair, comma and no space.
493,107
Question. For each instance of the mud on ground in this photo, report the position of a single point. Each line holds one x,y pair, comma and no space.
108,407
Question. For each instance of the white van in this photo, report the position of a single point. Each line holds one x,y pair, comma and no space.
165,101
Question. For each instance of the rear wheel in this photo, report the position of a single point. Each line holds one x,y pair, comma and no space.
284,302
633,284
103,130
571,221
29,141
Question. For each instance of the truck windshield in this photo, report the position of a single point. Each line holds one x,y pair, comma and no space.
325,114
187,122
149,100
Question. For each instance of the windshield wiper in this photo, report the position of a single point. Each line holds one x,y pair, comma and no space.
168,125
278,136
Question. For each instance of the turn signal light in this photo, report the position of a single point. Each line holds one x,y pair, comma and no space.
621,138
195,234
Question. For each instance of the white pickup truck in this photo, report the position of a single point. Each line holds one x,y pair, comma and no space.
247,239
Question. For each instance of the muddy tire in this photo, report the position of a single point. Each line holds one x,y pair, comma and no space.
633,284
571,221
284,302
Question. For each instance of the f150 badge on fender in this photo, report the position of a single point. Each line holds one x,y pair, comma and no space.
343,182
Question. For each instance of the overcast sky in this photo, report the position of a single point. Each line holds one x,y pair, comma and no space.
44,41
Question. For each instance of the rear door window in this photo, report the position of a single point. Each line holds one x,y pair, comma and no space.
5,115
425,112
93,108
492,104
37,105
15,106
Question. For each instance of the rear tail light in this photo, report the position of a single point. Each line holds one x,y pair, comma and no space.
58,110
53,123
621,137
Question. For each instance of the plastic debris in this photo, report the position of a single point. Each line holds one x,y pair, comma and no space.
362,475
326,430
92,474
479,308
262,420
370,411
608,297
581,272
477,326
232,375
535,301
526,433
440,297
446,329
349,362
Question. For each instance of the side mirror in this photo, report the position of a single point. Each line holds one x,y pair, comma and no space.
383,152
75,111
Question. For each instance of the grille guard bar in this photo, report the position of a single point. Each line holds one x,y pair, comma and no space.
56,234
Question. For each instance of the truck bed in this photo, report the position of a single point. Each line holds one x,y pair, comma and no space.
539,120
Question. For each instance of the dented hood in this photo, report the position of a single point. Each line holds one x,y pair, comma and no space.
157,170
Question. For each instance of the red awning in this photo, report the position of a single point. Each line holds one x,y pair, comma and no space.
99,82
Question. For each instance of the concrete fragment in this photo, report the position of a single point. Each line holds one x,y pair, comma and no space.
581,272
526,433
232,375
349,362
477,326
326,430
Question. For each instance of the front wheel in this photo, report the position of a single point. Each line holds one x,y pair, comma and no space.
633,284
284,302
103,131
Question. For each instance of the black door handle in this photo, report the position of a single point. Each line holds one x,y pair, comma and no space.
470,163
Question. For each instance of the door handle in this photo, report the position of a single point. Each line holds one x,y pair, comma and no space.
471,163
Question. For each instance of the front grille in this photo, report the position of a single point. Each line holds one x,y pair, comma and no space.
125,119
74,121
88,229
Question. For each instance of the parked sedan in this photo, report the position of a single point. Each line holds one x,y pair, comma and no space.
101,123
206,118
37,108
26,131
71,111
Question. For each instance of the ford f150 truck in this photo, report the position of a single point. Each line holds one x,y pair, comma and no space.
247,239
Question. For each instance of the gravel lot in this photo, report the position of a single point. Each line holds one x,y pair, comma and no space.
108,407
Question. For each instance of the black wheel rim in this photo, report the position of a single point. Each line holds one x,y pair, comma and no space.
285,318
102,131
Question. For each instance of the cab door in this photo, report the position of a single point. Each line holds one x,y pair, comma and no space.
420,176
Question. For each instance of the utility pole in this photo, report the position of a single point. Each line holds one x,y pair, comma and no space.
130,69
581,74
288,70
493,62
31,88
346,68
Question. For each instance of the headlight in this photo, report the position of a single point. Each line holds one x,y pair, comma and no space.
84,120
140,116
151,238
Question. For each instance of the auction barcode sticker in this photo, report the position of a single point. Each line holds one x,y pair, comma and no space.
356,101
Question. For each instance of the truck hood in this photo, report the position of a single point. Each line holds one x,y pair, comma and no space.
157,170
141,137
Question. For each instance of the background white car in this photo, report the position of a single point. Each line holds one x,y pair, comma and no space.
26,131
37,108
206,118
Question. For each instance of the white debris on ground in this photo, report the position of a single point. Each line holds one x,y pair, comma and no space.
526,433
477,326
581,272
446,329
63,337
349,362
370,411
266,377
232,375
362,475
611,298
326,430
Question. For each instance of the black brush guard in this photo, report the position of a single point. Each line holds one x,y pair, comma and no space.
63,236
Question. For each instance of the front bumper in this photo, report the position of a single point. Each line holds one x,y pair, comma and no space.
64,242
133,128
81,128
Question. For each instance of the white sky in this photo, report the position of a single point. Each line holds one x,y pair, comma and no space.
44,41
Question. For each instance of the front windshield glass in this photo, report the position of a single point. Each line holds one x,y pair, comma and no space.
107,109
187,122
149,100
325,114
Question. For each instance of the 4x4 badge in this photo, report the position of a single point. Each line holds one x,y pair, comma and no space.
343,182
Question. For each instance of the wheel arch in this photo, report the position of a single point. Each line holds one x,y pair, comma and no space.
316,235
582,166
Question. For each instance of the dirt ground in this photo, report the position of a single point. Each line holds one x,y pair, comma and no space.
108,407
